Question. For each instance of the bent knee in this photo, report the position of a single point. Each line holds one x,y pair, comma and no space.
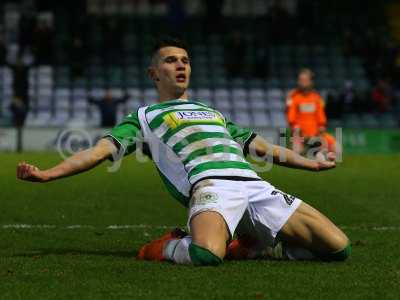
340,255
202,256
339,240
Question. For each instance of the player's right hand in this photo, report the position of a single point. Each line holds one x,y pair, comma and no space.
30,173
325,161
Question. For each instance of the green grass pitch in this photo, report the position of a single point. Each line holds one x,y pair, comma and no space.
96,261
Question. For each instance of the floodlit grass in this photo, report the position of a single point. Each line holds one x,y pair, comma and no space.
96,261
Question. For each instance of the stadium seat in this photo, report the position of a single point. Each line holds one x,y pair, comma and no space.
62,93
261,119
275,94
352,121
96,93
94,117
117,93
370,121
278,119
258,104
133,104
243,118
135,94
79,94
239,99
222,99
204,94
150,96
227,113
191,93
60,118
388,120
121,113
80,114
52,89
6,77
276,104
335,123
256,93
42,119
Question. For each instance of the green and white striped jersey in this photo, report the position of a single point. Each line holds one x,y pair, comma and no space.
188,141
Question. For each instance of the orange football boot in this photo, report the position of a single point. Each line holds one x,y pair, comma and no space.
240,249
154,249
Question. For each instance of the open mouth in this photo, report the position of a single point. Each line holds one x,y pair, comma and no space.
181,78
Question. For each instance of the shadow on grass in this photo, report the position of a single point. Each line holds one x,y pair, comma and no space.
37,253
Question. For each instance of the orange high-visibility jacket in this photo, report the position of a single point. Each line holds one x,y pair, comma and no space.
306,111
330,142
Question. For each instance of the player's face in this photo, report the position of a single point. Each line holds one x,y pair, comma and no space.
304,81
172,70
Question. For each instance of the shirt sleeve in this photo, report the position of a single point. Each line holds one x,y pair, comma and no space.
241,135
127,134
321,116
292,113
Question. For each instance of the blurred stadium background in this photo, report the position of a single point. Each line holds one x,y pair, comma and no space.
60,59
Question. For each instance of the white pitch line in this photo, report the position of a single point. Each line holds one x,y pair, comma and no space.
110,227
27,226
145,226
371,228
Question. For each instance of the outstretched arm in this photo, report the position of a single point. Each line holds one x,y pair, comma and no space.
288,158
79,162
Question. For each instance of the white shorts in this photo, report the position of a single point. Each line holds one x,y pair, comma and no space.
253,208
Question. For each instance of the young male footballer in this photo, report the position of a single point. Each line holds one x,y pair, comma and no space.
200,156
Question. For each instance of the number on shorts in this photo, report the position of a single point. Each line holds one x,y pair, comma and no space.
288,198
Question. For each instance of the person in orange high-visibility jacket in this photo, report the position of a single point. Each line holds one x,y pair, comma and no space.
305,111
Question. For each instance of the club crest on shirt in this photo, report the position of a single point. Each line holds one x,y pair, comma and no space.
205,198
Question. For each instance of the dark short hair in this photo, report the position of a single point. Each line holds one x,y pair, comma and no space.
168,41
308,72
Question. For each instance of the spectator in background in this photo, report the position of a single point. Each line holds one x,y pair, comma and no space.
176,15
382,96
279,23
334,105
349,99
20,104
396,75
26,26
112,42
306,18
77,57
43,41
108,108
3,50
306,115
234,54
349,43
261,67
388,58
19,111
20,83
214,16
370,50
